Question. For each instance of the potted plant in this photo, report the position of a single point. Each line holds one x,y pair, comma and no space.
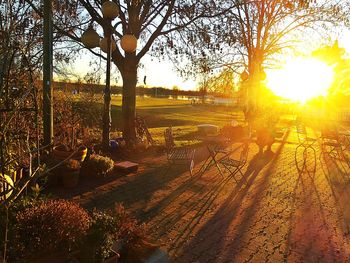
265,126
265,137
63,152
68,129
97,165
71,170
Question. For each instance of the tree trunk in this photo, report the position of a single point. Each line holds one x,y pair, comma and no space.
106,117
129,75
254,91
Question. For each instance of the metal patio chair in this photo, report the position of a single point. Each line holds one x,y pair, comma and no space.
234,166
178,155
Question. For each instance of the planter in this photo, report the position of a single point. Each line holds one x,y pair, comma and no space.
265,137
61,153
70,178
97,166
52,178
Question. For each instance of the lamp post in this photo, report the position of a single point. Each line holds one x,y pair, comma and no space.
91,39
110,11
128,43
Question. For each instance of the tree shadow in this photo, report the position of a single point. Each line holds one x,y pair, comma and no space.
311,235
216,227
197,193
337,176
134,190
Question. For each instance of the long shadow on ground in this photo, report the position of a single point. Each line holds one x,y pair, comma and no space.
312,235
196,192
210,238
337,174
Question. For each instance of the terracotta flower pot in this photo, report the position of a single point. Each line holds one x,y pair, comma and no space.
70,178
61,153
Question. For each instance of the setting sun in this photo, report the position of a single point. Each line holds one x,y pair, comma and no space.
300,79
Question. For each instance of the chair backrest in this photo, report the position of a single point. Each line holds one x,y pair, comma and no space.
169,139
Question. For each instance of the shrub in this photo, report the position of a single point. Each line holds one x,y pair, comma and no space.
102,235
48,226
98,165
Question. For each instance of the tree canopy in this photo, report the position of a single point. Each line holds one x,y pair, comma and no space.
151,22
236,33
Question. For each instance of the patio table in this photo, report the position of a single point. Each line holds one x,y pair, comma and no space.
215,145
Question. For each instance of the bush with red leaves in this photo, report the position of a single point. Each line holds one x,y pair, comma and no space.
50,225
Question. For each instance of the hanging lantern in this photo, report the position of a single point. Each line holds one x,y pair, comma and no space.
128,43
90,38
104,44
110,10
244,75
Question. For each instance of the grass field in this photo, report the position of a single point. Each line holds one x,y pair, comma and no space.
160,113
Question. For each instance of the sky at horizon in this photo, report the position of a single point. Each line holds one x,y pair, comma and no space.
162,73
158,73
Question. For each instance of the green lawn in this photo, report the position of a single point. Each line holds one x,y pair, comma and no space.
160,113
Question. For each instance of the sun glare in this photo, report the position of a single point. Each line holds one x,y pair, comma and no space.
300,79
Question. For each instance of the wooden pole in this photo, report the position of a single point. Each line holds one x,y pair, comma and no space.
47,74
107,98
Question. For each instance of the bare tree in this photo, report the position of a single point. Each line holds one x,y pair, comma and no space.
152,22
222,83
251,35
